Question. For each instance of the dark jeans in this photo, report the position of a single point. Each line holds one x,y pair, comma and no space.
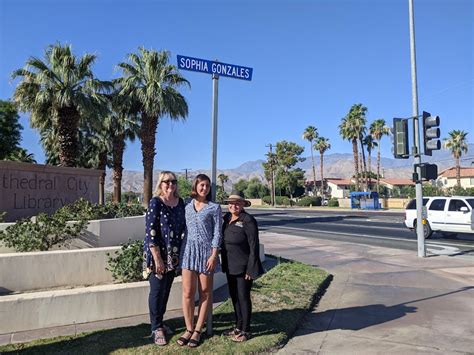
239,290
158,298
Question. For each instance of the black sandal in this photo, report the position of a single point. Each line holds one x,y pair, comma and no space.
182,341
193,343
231,332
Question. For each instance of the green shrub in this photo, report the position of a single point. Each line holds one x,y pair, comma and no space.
130,197
2,216
309,201
85,209
120,210
41,233
279,200
282,200
333,202
127,264
185,187
221,195
458,191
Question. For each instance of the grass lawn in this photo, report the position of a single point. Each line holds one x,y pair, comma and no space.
280,299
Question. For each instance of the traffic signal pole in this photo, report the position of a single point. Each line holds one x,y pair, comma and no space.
416,138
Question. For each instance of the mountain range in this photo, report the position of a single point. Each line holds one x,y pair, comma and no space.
336,165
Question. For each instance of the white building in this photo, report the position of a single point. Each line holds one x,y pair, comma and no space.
393,183
339,188
447,178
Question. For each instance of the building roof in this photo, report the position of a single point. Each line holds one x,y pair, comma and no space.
310,182
451,172
339,182
397,182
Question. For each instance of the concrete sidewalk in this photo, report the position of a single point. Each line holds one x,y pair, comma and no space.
383,300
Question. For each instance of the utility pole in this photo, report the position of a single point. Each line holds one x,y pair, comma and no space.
416,138
186,172
272,193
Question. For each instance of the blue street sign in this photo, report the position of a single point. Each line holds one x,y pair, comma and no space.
212,67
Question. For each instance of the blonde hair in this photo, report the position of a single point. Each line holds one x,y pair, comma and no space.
165,175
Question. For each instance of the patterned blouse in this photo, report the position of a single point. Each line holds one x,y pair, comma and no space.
204,232
165,228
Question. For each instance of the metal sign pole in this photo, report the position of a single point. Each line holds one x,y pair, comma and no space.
215,91
227,70
416,136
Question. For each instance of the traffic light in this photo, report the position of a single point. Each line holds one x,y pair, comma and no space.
400,138
431,133
428,171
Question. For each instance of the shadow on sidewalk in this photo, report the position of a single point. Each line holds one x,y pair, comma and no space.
356,318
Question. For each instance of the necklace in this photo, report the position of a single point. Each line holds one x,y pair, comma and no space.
171,201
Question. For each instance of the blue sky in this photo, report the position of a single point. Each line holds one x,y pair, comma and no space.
311,61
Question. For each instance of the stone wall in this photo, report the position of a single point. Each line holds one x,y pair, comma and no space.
28,189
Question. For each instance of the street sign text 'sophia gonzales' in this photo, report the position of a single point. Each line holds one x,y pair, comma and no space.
212,67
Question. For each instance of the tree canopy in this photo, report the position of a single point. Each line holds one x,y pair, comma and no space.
10,129
60,91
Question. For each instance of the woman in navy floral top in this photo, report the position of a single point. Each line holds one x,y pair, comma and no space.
165,229
199,258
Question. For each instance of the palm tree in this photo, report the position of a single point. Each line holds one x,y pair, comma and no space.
350,128
125,129
123,125
364,165
457,144
57,92
370,143
96,145
21,155
310,134
50,143
322,145
223,178
346,131
378,129
152,83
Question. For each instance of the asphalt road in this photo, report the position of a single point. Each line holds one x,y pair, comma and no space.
384,229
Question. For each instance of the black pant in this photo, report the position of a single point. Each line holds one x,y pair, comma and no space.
239,290
158,298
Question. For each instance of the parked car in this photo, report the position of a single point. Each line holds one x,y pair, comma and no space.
448,215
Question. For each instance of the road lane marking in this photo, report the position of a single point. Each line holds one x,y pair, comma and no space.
341,224
369,236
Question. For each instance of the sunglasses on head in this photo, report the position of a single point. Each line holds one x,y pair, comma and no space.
173,182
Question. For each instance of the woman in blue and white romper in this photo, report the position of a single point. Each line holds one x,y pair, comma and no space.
200,257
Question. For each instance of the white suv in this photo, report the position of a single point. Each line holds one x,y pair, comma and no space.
449,215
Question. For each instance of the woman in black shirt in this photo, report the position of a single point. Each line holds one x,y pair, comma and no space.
241,262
